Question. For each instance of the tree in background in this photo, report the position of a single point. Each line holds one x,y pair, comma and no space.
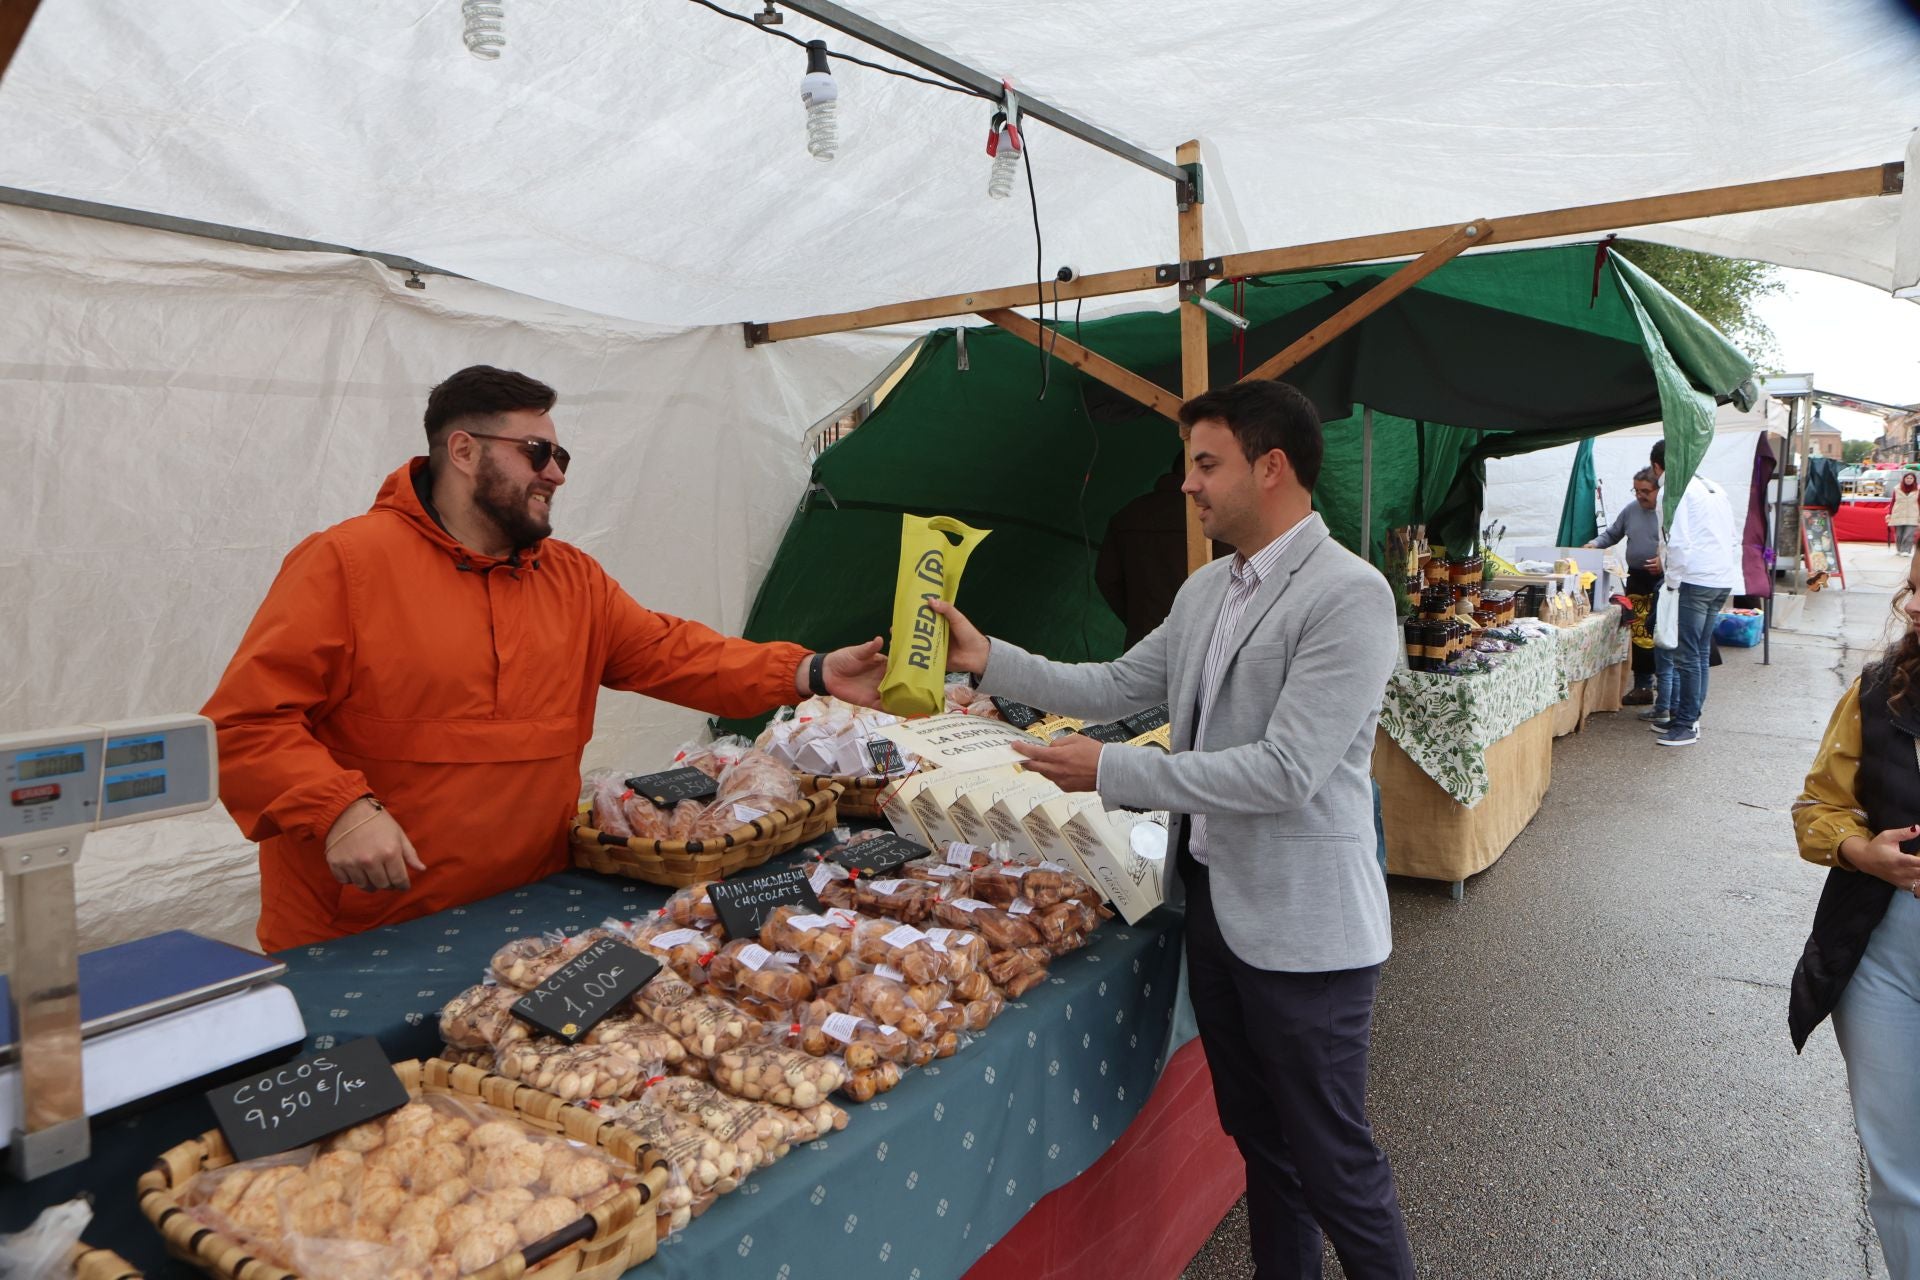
1856,451
1722,290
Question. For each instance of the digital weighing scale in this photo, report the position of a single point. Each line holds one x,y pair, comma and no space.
84,1034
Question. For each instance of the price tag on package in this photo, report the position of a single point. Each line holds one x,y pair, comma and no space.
308,1099
744,904
879,855
674,785
586,989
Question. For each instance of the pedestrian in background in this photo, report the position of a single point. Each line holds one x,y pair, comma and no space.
1904,515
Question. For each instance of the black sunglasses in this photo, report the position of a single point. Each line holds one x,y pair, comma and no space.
539,452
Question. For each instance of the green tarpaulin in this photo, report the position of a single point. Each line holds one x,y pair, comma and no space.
1577,510
1494,354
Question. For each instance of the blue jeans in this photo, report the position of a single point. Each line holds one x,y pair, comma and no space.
1878,1026
1699,610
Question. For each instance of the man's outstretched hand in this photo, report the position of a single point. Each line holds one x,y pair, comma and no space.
966,647
853,674
1071,761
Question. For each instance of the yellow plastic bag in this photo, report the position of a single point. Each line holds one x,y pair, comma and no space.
933,552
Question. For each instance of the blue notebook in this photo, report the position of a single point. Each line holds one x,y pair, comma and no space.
143,979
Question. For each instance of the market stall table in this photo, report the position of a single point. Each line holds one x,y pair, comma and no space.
1464,761
924,1179
1595,656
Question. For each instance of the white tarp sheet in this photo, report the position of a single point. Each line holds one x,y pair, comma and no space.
173,426
645,158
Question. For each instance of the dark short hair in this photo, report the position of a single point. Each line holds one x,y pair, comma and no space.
481,391
1265,415
1658,457
1646,474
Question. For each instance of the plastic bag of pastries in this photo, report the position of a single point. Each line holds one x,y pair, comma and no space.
640,1038
1002,930
773,1073
962,951
1050,883
820,940
1017,970
864,1086
809,1123
682,948
938,870
605,791
481,1017
711,758
439,1188
767,984
707,1025
690,908
758,1136
705,1163
527,962
819,1029
900,947
574,1072
756,783
662,991
1064,926
897,898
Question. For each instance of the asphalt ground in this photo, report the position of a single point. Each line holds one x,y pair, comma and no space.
1583,1069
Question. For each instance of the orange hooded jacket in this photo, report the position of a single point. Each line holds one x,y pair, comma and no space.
389,660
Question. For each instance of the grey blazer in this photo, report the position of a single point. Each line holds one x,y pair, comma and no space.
1284,775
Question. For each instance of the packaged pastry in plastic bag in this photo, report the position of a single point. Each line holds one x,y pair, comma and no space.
439,1188
864,1086
706,1025
1002,930
963,952
606,791
906,900
1050,883
481,1017
574,1072
753,785
527,962
640,1038
691,908
767,984
767,1072
820,940
706,1164
683,949
900,947
758,1135
711,758
1017,971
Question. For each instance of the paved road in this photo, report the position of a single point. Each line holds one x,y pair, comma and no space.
1583,1069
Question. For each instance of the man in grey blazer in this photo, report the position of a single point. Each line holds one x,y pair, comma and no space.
1273,664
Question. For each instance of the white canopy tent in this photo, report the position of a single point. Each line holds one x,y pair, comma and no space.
178,412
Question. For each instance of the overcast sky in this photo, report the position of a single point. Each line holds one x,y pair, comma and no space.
1853,339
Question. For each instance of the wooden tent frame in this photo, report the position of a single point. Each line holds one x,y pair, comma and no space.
1433,247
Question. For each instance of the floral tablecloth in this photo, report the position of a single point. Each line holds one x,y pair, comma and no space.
1446,723
1593,646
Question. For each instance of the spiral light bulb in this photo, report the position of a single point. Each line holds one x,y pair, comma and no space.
822,97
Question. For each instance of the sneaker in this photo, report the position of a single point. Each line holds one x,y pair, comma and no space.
1679,737
1637,698
1660,716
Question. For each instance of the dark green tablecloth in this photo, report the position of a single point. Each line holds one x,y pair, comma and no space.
922,1181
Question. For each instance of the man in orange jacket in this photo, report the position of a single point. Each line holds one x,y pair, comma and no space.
401,728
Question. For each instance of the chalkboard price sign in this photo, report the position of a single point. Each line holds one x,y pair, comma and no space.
673,786
1147,721
879,855
885,756
744,904
1018,714
1115,732
586,989
308,1099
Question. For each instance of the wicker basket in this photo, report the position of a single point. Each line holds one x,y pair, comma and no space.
622,1236
89,1263
859,796
680,863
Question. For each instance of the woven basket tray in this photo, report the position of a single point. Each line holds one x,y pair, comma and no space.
89,1263
623,1230
680,863
859,796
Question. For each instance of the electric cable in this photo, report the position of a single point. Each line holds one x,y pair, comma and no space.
952,86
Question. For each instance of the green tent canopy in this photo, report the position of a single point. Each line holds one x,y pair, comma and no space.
1578,511
1494,354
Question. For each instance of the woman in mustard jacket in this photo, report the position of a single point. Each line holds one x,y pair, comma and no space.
1860,816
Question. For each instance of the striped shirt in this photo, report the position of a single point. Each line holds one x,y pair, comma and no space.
1243,582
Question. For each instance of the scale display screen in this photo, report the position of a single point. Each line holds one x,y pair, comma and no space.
125,751
136,786
50,764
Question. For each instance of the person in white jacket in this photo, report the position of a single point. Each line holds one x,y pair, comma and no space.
1703,557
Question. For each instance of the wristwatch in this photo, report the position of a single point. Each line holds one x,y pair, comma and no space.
817,675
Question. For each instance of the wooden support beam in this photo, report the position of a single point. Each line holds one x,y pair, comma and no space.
14,17
1784,193
1193,348
1473,233
1091,363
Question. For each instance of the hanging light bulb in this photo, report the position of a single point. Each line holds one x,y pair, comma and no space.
1004,144
821,96
483,27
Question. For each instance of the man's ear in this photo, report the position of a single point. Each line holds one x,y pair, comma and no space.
1275,468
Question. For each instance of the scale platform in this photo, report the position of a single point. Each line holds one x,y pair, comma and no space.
160,1012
